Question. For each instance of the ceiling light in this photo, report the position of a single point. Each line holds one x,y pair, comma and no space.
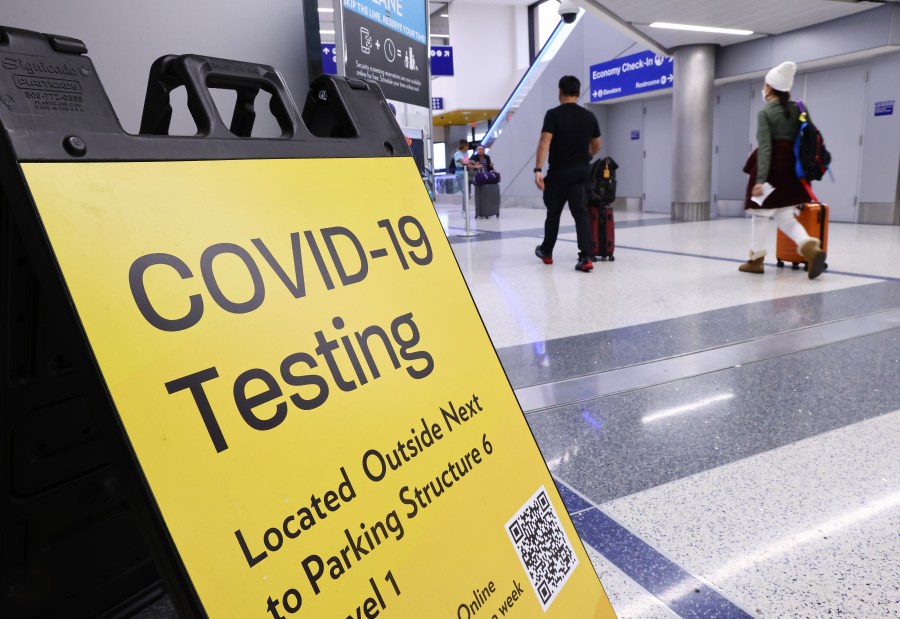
441,36
321,10
445,15
326,31
709,29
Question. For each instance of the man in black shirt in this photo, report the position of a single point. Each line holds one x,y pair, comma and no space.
571,138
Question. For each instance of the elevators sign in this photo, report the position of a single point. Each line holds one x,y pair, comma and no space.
309,390
386,41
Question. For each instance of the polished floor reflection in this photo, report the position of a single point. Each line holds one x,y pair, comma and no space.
726,443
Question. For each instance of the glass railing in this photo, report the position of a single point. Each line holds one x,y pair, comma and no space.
547,53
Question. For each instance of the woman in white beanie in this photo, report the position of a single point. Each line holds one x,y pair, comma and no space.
778,123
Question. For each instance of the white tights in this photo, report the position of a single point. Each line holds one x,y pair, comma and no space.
785,220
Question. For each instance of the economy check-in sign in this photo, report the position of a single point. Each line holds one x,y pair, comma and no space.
631,75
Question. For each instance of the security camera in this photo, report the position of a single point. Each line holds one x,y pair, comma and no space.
568,11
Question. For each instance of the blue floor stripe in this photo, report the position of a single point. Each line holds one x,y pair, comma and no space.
681,591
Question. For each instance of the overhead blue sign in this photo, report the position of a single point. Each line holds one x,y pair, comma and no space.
631,75
404,16
441,60
437,103
329,59
884,108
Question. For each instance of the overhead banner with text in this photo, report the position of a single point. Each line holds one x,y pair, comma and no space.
631,75
386,41
326,433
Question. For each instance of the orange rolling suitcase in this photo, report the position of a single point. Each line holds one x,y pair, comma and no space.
814,217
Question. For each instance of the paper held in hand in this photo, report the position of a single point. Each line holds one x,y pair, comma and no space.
767,189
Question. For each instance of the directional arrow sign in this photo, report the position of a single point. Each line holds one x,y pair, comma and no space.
329,59
442,60
630,75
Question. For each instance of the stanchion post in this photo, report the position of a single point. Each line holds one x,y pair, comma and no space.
465,198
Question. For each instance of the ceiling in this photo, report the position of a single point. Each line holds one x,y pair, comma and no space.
763,17
462,117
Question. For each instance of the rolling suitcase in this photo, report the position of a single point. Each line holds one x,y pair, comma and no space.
814,217
487,201
603,232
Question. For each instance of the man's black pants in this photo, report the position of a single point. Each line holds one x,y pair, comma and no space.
567,185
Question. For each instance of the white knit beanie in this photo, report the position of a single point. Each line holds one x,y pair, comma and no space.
782,77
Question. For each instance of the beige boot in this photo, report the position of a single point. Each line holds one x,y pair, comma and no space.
811,250
755,263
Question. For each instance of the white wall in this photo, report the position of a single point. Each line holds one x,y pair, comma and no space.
124,38
628,153
881,139
486,56
866,148
866,184
589,42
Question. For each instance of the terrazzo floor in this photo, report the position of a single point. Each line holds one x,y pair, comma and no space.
704,486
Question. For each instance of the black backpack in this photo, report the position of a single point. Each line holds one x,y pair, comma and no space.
602,188
812,157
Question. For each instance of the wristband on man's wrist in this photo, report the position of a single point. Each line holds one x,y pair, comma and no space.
536,170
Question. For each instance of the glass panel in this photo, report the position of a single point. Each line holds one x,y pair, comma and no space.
439,21
439,156
545,20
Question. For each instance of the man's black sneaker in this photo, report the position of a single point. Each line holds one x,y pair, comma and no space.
584,264
545,258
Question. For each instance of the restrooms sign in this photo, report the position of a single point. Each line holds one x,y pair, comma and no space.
631,75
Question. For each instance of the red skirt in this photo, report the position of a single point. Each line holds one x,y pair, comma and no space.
789,191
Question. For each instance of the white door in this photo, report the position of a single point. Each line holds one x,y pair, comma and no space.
658,155
732,125
837,99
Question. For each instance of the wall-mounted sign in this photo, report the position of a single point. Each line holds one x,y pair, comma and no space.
437,103
441,60
635,134
631,75
329,59
386,41
884,108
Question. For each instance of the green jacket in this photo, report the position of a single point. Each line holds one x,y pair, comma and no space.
771,124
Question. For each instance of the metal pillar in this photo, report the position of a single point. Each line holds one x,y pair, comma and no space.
465,205
692,117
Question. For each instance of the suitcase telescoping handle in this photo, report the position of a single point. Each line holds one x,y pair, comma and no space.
198,74
820,217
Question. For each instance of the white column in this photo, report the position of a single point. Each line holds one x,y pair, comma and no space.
692,117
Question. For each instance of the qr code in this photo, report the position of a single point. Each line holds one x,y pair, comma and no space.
543,546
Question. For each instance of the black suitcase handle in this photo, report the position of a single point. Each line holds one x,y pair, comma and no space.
197,74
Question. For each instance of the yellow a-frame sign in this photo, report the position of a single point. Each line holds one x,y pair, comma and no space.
303,378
